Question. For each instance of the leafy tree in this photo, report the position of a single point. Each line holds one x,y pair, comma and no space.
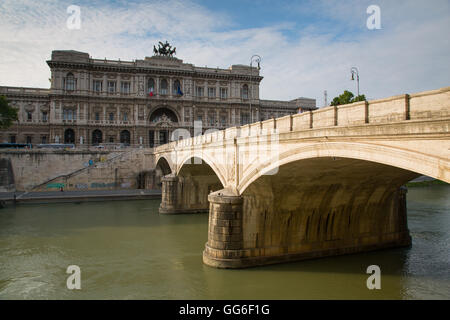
346,98
7,114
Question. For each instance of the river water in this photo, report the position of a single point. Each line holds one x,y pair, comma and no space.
125,250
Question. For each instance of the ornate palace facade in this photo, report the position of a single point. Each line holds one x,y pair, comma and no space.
141,102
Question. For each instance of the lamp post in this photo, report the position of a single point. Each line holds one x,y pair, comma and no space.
354,71
257,59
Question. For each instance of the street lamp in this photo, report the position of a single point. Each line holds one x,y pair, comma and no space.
257,59
354,71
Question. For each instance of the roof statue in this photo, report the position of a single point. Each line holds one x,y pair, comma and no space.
164,49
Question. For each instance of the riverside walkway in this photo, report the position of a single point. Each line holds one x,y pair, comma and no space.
77,196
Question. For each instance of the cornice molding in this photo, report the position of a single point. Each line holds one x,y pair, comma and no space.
149,70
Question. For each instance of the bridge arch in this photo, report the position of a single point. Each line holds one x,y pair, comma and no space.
186,190
163,165
321,206
413,161
198,160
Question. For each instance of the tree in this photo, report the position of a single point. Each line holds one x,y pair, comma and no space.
7,114
346,98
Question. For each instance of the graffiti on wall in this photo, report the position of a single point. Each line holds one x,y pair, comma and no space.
55,185
102,185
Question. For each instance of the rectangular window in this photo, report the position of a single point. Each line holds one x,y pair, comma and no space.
44,139
125,116
29,139
245,118
199,91
223,120
97,116
211,92
70,83
111,117
29,116
12,139
199,117
97,85
211,119
111,86
223,93
163,137
244,92
125,87
69,114
151,138
44,116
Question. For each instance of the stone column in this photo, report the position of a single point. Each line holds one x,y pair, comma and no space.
169,194
156,137
225,236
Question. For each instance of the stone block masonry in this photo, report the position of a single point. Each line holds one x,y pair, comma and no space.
39,170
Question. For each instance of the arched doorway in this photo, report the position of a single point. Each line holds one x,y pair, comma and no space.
125,137
97,137
69,136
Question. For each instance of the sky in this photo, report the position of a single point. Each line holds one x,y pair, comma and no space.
306,47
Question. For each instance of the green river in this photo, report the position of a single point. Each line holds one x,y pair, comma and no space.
126,250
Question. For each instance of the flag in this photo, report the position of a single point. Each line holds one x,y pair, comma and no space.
151,92
179,92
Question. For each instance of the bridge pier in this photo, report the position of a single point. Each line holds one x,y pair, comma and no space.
186,193
169,194
225,235
232,244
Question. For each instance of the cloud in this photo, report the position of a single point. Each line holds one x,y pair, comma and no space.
409,54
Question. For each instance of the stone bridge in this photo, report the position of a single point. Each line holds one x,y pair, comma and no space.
309,185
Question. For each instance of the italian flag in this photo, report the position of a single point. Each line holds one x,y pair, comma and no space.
151,92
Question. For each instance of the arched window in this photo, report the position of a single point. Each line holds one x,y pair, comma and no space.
163,114
97,137
176,87
125,137
70,82
244,92
164,86
151,86
69,136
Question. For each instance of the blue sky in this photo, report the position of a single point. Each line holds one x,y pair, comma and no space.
306,46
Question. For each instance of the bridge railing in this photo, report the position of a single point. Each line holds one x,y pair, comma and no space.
429,105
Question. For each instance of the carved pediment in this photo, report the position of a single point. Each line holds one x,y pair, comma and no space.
29,107
45,107
70,107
